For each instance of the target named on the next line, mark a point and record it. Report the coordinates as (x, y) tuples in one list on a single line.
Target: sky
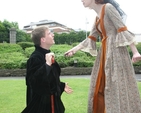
[(71, 13)]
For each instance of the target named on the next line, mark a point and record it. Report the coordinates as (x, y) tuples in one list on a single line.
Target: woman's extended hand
[(136, 57), (69, 53)]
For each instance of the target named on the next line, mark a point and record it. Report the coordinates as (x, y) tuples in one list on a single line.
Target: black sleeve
[(62, 86)]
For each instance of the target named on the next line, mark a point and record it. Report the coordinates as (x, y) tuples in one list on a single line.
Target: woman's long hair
[(116, 5)]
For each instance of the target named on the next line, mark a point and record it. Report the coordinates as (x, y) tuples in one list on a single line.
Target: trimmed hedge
[(14, 56), (25, 45), (9, 48), (12, 60)]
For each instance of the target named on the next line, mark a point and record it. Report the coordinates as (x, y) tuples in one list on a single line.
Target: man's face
[(49, 37)]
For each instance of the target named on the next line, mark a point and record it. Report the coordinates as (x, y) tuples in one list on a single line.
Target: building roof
[(42, 22), (55, 26)]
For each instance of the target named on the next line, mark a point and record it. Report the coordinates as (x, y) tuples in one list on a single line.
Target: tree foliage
[(70, 38), (21, 36), (5, 26)]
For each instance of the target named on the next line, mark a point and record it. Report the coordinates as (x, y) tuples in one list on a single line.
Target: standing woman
[(113, 87)]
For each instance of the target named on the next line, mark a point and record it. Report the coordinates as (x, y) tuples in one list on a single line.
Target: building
[(52, 25)]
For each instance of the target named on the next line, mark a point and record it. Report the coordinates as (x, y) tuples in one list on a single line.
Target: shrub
[(22, 64), (28, 51), (11, 60), (25, 44), (10, 48), (13, 56)]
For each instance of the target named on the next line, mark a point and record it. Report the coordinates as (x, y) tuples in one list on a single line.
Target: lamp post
[(86, 26), (75, 62)]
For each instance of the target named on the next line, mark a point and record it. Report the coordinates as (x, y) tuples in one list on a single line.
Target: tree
[(69, 38), (15, 25), (3, 33), (22, 36)]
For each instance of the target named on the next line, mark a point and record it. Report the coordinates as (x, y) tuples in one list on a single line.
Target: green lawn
[(12, 95)]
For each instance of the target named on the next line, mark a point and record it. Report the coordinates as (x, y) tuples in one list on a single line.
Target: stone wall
[(64, 71)]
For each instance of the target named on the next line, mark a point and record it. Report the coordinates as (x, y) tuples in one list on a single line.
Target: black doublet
[(43, 81)]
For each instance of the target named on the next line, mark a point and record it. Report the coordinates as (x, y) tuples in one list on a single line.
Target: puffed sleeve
[(89, 44), (123, 37)]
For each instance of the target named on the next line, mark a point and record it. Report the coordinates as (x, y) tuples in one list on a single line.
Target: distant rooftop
[(42, 22)]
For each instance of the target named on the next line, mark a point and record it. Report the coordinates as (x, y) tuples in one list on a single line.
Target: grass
[(12, 95)]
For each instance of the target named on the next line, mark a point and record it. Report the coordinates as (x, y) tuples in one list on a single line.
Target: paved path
[(138, 77)]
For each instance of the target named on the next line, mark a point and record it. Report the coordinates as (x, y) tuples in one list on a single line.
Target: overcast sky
[(68, 12)]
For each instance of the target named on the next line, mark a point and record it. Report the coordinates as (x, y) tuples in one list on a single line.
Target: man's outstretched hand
[(68, 89)]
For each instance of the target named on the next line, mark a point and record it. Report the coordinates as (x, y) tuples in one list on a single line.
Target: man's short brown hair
[(37, 34)]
